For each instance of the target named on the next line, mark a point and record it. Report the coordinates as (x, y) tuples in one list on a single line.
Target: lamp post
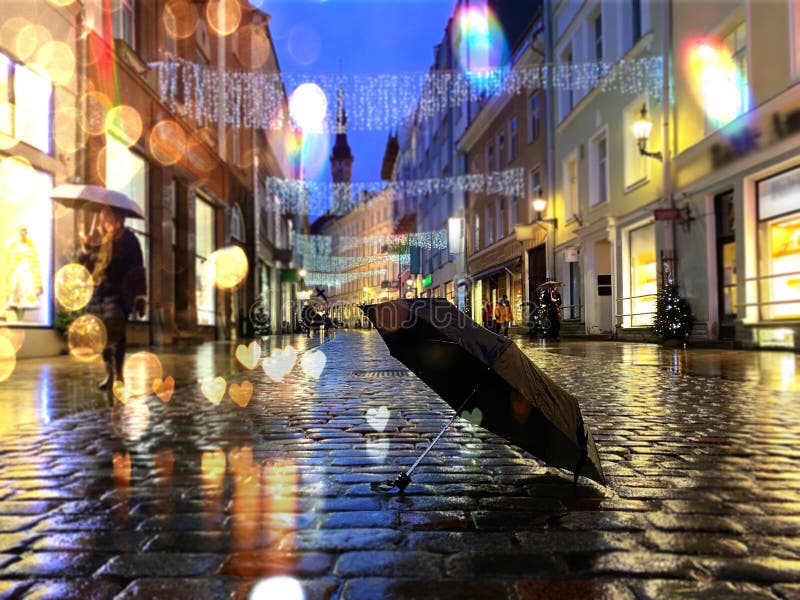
[(539, 205)]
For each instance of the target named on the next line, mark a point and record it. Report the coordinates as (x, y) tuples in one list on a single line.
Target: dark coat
[(124, 275)]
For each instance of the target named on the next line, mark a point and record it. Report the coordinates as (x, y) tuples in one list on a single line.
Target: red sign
[(667, 214)]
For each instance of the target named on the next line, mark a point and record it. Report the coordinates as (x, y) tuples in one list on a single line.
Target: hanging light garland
[(307, 245), (258, 100), (337, 279), (317, 197)]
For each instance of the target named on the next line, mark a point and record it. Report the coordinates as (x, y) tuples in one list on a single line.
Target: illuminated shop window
[(26, 235), (204, 271), (643, 275), (779, 246)]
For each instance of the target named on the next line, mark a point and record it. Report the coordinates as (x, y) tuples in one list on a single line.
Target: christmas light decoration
[(380, 101), (337, 279), (324, 245), (298, 196), (673, 318)]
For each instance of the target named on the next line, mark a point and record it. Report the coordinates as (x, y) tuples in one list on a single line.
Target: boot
[(119, 359), (106, 383)]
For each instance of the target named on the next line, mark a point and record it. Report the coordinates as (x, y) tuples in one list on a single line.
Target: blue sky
[(356, 37)]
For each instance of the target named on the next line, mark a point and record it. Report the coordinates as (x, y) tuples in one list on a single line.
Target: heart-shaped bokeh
[(474, 416), (241, 394), (280, 363), (164, 389), (313, 363), (121, 393), (378, 417), (214, 389), (248, 355)]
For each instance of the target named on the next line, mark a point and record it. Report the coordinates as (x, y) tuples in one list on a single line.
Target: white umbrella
[(76, 196)]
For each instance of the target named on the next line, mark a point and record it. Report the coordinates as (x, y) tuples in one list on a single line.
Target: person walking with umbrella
[(554, 313), (114, 257), (503, 315)]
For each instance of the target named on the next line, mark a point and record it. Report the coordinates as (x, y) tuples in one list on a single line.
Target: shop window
[(779, 246), (449, 292), (126, 172), (26, 235), (28, 97), (643, 275), (205, 227)]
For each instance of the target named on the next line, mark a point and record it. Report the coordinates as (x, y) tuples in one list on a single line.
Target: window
[(779, 246), (122, 21), (725, 89), (636, 21), (566, 91), (476, 233), (489, 226), (126, 172), (644, 285), (29, 96), (794, 36), (636, 164), (204, 271), (535, 184), (501, 152), (237, 224), (26, 239), (501, 219), (598, 37), (512, 214), (489, 158), (570, 185), (598, 162), (535, 121), (512, 150)]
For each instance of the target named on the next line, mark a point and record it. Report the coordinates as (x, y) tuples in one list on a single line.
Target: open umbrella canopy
[(549, 284), (457, 357), (78, 196)]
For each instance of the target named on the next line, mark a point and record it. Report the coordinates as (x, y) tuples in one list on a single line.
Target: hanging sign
[(667, 214)]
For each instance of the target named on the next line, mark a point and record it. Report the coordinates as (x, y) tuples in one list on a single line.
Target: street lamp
[(303, 273), (641, 131), (539, 205)]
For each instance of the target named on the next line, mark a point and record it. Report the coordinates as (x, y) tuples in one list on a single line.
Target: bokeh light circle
[(180, 19), (167, 142), (15, 336), (716, 80), (229, 265), (17, 179), (6, 116), (86, 337), (223, 16), (253, 46), (308, 106), (8, 358), (61, 3), (281, 586), (29, 39), (93, 118), (69, 137), (124, 123), (10, 30), (139, 372), (57, 60), (130, 420), (304, 44), (73, 286)]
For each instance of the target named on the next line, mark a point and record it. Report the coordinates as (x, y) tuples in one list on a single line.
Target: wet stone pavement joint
[(195, 500)]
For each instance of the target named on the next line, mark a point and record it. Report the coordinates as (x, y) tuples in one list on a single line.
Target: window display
[(204, 268), (779, 241), (25, 257), (644, 282)]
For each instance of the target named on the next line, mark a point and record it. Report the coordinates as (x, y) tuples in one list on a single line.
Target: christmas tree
[(674, 318)]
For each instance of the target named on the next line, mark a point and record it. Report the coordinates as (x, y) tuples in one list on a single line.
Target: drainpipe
[(550, 124), (666, 93)]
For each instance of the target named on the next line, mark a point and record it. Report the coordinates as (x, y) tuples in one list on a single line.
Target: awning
[(510, 264)]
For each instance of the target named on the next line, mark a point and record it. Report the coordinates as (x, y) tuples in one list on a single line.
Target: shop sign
[(427, 281), (746, 141), (571, 255)]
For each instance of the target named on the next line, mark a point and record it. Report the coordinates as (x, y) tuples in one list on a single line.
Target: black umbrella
[(472, 367)]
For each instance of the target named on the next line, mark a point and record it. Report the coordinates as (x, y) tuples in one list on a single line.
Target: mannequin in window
[(23, 276)]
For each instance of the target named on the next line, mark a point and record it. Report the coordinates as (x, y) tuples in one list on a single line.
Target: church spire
[(341, 156), (341, 113)]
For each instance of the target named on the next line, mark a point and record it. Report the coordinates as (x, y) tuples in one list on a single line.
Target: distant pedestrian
[(488, 315), (503, 313), (554, 314)]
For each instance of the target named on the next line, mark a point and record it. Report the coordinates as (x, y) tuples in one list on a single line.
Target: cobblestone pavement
[(188, 499)]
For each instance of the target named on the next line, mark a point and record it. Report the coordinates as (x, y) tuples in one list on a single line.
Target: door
[(725, 212)]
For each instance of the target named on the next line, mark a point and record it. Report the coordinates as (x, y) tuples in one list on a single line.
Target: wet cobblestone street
[(192, 499)]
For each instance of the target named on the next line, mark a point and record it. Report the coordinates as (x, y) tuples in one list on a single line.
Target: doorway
[(725, 212)]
